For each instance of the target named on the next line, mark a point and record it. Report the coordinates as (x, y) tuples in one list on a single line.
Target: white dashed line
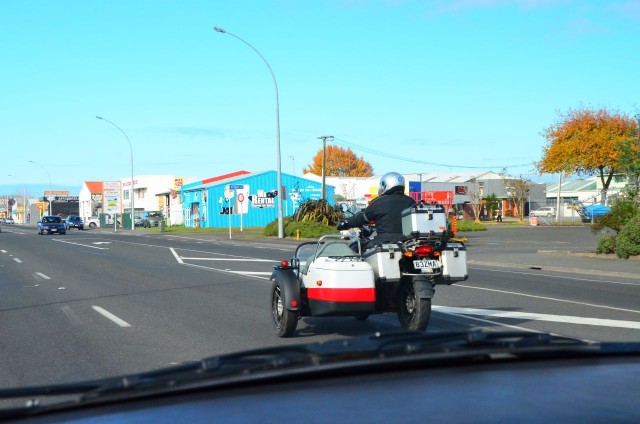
[(17, 260), (109, 315), (41, 276)]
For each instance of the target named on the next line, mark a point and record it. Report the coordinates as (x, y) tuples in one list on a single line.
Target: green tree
[(491, 203), (517, 191), (630, 159)]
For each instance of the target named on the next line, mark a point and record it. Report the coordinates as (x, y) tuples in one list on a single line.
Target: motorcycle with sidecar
[(334, 277)]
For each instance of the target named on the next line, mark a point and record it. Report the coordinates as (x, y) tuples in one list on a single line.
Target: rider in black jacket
[(385, 210)]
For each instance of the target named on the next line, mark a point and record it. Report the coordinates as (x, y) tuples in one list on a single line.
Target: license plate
[(426, 263)]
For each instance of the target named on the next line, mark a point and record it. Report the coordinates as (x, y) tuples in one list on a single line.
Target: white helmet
[(390, 180)]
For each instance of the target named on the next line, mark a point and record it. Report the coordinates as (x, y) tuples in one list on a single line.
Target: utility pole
[(324, 139), (558, 197)]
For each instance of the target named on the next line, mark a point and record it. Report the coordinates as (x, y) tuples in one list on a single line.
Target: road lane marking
[(208, 268), (175, 255), (3, 251), (101, 242), (493, 313), (83, 245), (549, 298), (109, 315), (251, 272), (71, 315), (537, 274), (233, 243), (41, 276), (225, 255), (228, 259), (440, 309), (17, 260)]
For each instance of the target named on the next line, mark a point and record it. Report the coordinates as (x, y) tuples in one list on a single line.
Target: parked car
[(544, 211), (93, 222), (9, 221), (51, 224), (73, 221), (151, 218)]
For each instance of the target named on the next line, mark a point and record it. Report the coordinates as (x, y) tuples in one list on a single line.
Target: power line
[(402, 158)]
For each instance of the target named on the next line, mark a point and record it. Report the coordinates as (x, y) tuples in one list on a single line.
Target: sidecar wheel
[(284, 321), (413, 312)]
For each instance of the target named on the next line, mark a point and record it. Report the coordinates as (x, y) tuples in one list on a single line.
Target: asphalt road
[(96, 303)]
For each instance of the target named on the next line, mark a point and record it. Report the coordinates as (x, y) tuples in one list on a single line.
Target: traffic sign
[(229, 192), (236, 186), (240, 197)]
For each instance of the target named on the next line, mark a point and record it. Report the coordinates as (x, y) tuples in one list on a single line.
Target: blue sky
[(438, 85)]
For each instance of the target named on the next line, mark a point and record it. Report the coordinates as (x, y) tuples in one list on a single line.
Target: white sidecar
[(337, 280)]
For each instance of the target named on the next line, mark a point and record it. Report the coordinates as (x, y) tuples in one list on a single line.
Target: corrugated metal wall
[(205, 206)]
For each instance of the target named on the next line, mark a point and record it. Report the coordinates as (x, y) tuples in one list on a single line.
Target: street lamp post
[(48, 175), (279, 168), (133, 225)]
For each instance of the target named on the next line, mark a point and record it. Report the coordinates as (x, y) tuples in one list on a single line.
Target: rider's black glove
[(342, 225)]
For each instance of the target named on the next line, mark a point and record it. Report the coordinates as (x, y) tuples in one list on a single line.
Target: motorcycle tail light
[(423, 251), (284, 264)]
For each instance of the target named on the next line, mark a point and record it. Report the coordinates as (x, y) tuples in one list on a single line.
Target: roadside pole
[(240, 211)]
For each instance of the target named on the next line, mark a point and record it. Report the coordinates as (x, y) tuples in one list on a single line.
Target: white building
[(586, 191), (351, 188), (95, 196)]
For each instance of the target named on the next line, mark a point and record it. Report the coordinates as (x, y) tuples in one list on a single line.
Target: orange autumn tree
[(340, 163), (587, 142)]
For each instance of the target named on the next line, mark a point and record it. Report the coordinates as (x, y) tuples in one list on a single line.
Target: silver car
[(544, 211)]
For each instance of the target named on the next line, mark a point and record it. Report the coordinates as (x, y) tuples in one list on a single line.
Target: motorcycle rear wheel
[(413, 312)]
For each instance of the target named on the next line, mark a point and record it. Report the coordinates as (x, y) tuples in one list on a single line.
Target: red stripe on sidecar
[(342, 295)]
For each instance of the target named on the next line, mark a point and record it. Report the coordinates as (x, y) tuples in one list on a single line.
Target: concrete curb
[(587, 255)]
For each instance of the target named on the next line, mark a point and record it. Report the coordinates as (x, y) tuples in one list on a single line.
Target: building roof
[(225, 177), (431, 177), (574, 185), (94, 186)]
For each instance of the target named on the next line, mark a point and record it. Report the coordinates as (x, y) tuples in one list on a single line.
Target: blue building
[(245, 199)]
